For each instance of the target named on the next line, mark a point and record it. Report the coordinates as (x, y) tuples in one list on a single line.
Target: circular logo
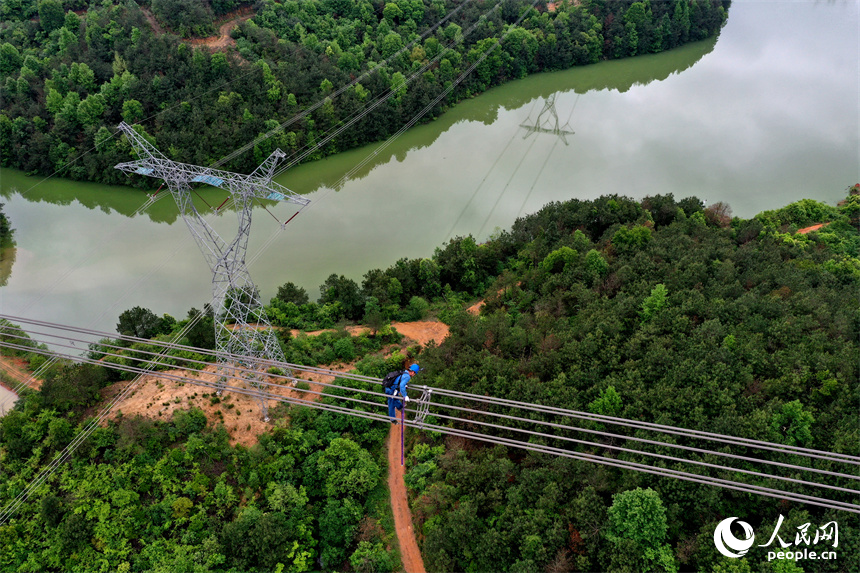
[(727, 543)]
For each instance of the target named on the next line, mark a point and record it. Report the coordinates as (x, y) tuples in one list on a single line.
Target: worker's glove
[(406, 399)]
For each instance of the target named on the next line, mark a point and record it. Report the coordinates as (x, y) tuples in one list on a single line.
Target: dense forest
[(71, 70), (656, 310)]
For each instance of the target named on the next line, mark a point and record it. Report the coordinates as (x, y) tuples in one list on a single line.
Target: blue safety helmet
[(415, 368)]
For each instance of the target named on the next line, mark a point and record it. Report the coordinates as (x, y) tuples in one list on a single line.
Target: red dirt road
[(221, 41), (409, 553), (16, 368), (812, 228)]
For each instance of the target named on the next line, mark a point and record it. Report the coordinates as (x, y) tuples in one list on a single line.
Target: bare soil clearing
[(158, 397), (421, 331), (409, 552)]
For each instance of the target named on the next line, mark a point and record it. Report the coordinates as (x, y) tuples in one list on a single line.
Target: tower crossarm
[(257, 185)]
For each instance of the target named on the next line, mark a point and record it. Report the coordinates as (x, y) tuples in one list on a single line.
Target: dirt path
[(806, 230), (16, 369), (153, 23), (409, 553), (222, 40)]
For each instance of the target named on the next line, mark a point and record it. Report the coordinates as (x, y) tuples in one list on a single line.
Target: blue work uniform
[(397, 389)]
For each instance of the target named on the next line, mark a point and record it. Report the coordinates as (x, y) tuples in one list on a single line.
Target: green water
[(760, 117)]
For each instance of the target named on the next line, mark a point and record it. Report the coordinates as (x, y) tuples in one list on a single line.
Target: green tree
[(202, 332), (73, 387), (596, 266), (391, 12), (629, 240), (371, 558), (288, 292), (10, 59), (607, 404), (637, 528), (91, 109), (51, 15), (338, 525), (793, 423), (140, 322), (654, 303), (559, 260), (132, 111), (373, 316), (348, 469), (339, 289)]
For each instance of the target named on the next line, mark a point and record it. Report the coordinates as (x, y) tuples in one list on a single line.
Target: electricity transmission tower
[(548, 125), (236, 299)]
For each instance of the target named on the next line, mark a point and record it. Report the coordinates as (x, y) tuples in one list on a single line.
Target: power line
[(103, 353), (815, 501), (623, 464), (442, 392), (437, 99), (152, 199), (72, 446)]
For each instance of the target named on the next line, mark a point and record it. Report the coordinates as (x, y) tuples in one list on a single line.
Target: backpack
[(391, 378)]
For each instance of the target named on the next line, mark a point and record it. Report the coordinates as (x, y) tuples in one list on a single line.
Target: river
[(764, 115)]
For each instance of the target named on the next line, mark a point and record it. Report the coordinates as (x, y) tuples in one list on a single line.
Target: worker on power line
[(397, 390)]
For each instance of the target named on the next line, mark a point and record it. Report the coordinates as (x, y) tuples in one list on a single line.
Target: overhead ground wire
[(46, 473), (434, 102), (385, 96), (153, 199), (82, 436)]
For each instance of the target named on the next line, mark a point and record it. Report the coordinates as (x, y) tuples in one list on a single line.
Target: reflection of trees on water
[(105, 198), (7, 248), (620, 75)]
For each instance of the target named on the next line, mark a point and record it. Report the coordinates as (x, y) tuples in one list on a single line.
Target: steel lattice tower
[(236, 299)]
